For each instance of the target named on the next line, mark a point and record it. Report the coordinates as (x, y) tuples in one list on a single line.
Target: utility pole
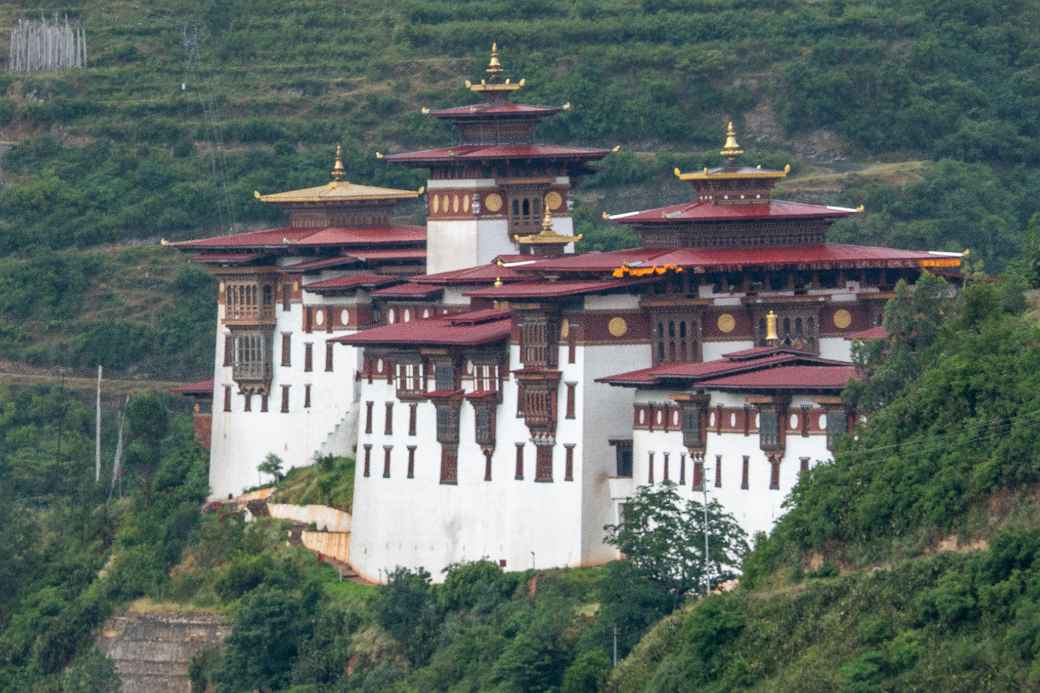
[(97, 431), (704, 487)]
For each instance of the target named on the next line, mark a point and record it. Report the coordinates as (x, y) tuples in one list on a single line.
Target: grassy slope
[(188, 106)]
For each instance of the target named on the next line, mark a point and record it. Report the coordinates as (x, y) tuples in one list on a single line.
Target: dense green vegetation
[(845, 593), (72, 552), (188, 106), (329, 481)]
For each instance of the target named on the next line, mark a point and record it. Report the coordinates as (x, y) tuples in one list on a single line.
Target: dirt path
[(109, 387)]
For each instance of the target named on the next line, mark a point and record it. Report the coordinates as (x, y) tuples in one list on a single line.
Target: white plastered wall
[(240, 439)]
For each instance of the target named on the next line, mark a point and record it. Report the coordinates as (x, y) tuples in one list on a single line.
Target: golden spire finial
[(731, 150), (338, 172), (494, 68), (547, 222), (771, 336), (498, 282)]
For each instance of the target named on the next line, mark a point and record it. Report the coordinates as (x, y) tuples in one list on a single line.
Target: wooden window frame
[(329, 352), (665, 471), (518, 473), (308, 357), (698, 475), (285, 399), (449, 465), (487, 465), (568, 465), (543, 463), (367, 467), (411, 462), (803, 465), (745, 473), (774, 474), (263, 402), (650, 469), (247, 399), (307, 396), (286, 350), (571, 387), (286, 297), (388, 423), (227, 398), (387, 451), (229, 350), (718, 471), (368, 416), (413, 416), (682, 469)]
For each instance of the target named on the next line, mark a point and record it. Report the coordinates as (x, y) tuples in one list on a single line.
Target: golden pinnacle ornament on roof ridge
[(493, 83), (548, 236), (771, 336), (494, 68), (731, 150), (547, 222), (338, 172)]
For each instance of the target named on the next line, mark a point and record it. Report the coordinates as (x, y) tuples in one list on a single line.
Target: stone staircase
[(342, 439)]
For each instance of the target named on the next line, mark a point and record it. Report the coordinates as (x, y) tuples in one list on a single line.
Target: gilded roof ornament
[(338, 172), (493, 84), (771, 336), (731, 150), (547, 236)]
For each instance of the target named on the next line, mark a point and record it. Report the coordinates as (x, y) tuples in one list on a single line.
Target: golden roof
[(547, 236), (731, 150), (494, 72), (338, 190)]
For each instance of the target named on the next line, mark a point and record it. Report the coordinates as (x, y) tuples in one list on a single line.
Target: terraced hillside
[(188, 106)]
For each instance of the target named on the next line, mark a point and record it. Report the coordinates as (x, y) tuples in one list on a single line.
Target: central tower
[(495, 183)]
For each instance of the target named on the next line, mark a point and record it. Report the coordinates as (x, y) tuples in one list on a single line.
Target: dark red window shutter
[(328, 356), (667, 472), (543, 467), (248, 398), (650, 470), (368, 460), (386, 460), (718, 471), (744, 473), (570, 400), (698, 474), (774, 475), (227, 398), (307, 396), (388, 425), (286, 296), (682, 469), (411, 461), (263, 402), (412, 415), (229, 350), (308, 357), (568, 469), (285, 399), (368, 417), (449, 465), (487, 465), (286, 349), (519, 474)]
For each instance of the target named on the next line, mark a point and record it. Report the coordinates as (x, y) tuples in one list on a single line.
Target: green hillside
[(188, 106)]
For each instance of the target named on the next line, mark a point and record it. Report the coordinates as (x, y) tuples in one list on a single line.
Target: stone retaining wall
[(152, 652)]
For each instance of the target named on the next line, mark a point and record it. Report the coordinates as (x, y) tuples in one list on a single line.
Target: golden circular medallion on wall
[(617, 327), (554, 200), (436, 203), (565, 328), (726, 323), (842, 318), (493, 202)]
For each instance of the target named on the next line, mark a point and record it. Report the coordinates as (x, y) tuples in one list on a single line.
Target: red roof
[(871, 334), (824, 256), (201, 388), (288, 236), (481, 274), (390, 254), (226, 258), (351, 281), (462, 329), (321, 263), (408, 290), (742, 361), (785, 377), (709, 211), (479, 152), (495, 109), (546, 289)]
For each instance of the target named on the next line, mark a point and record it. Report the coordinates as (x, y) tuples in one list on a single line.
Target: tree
[(406, 608), (272, 465), (148, 423), (663, 537)]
